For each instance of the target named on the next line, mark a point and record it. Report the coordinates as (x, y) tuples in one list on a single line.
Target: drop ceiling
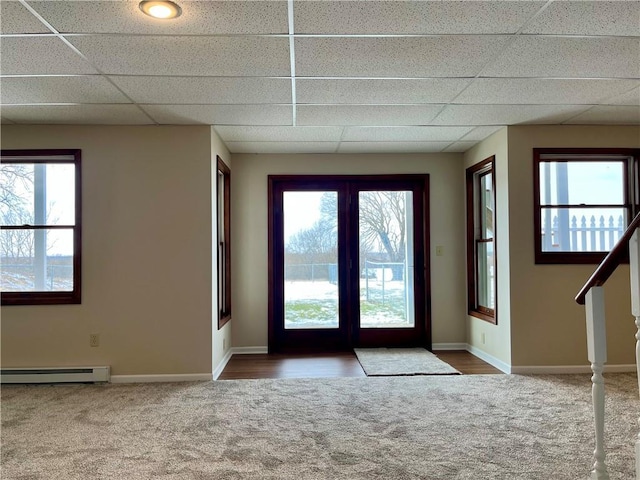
[(324, 76)]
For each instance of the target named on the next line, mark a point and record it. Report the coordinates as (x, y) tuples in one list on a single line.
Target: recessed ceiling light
[(160, 9)]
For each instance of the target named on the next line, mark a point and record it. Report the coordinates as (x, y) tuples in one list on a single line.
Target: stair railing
[(592, 296)]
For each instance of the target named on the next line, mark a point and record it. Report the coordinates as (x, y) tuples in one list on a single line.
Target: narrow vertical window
[(40, 240), (223, 196), (481, 245)]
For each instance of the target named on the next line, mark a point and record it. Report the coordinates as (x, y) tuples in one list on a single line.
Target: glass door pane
[(310, 260), (386, 259)]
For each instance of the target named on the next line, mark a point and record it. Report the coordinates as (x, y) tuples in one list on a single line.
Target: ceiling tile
[(17, 19), (279, 134), (599, 57), (411, 17), (399, 134), (188, 56), (379, 91), (448, 56), (40, 55), (207, 90), (480, 133), (391, 147), (584, 17), (505, 114), (542, 91), (368, 115), (277, 147), (609, 115), (76, 114), (60, 89), (459, 147), (220, 114), (198, 17), (630, 98)]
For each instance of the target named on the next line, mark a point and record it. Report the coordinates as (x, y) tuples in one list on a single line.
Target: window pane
[(310, 260), (581, 229), (485, 280), (587, 183), (37, 194), (37, 260), (222, 247), (221, 207), (486, 206), (386, 259)]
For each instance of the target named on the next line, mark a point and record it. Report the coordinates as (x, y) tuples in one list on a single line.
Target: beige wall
[(547, 326), (147, 236), (249, 232), (222, 337), (497, 338), (147, 283)]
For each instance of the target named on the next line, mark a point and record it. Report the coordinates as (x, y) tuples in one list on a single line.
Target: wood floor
[(344, 364)]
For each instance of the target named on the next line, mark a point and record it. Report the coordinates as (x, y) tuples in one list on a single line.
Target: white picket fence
[(584, 234)]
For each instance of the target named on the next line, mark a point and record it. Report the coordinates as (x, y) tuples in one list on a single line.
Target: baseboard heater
[(55, 375)]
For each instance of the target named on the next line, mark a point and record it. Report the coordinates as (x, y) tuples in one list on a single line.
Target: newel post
[(597, 352), (634, 267)]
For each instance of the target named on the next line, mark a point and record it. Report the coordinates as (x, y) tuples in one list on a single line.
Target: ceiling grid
[(352, 76), (490, 61), (292, 57)]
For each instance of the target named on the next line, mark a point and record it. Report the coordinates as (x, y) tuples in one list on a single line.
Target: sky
[(301, 211), (60, 205)]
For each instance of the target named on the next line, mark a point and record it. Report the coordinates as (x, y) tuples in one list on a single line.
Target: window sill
[(568, 258), (40, 298), (487, 317), (223, 319)]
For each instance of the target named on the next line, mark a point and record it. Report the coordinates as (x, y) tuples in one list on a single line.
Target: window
[(40, 239), (481, 245), (223, 204), (583, 202)]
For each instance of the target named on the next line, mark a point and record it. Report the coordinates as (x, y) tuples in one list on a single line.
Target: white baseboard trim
[(569, 369), (180, 377), (248, 350), (490, 359), (448, 346), (222, 364), (621, 368)]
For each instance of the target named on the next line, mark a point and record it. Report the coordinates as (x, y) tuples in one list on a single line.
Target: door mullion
[(352, 277)]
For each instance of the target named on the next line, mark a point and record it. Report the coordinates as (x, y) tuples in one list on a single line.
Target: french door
[(348, 263)]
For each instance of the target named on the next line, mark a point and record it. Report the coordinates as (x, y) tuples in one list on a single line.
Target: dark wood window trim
[(631, 196), (51, 157), (473, 175), (223, 241)]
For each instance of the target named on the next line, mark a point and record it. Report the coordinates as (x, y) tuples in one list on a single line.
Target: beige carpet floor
[(496, 427)]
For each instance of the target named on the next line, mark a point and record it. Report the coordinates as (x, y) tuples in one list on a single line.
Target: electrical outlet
[(439, 250), (483, 338), (94, 339), (224, 344)]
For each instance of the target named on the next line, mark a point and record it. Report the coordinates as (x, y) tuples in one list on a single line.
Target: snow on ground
[(314, 304)]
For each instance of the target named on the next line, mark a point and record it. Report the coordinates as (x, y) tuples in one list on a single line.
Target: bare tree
[(317, 240), (16, 183), (382, 226), (382, 222)]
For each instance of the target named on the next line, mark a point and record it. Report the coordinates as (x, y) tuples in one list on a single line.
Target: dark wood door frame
[(346, 336)]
